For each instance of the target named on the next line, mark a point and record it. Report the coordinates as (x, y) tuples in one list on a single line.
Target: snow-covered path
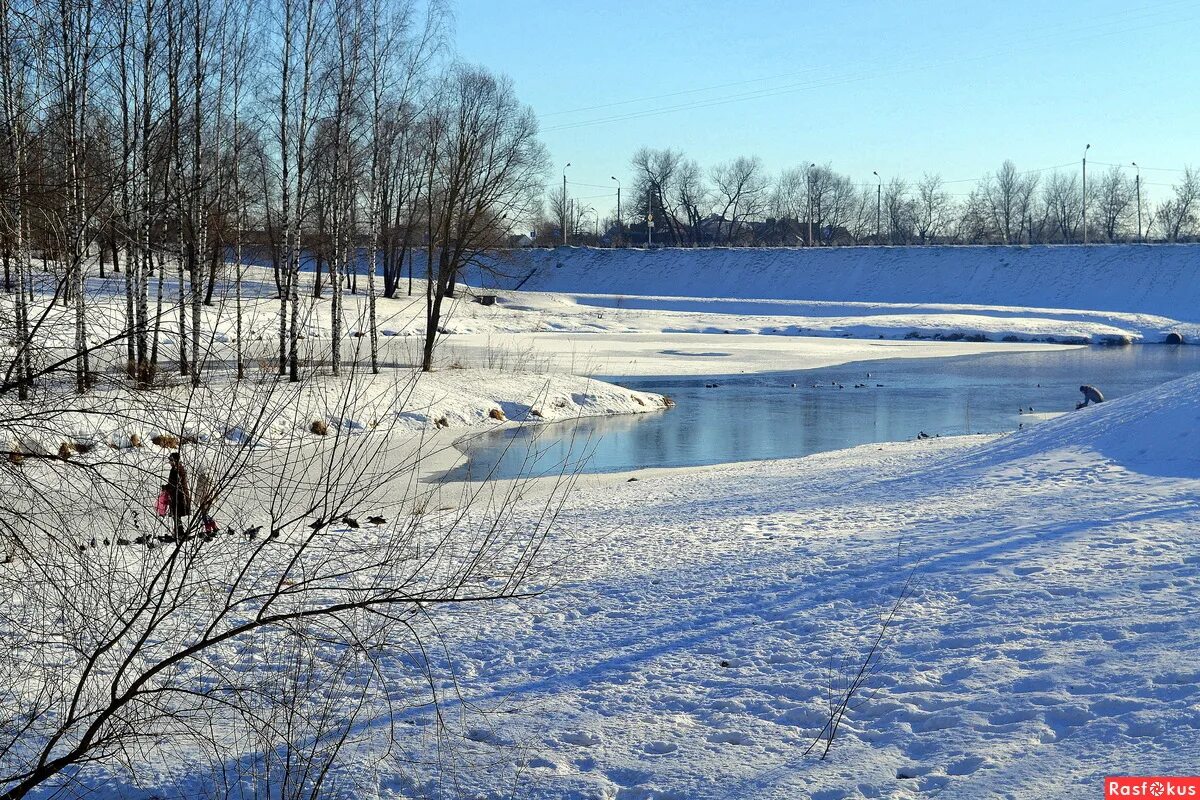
[(1049, 639)]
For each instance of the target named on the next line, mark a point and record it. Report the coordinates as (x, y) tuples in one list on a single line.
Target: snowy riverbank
[(1065, 293), (693, 625), (1045, 644), (401, 403)]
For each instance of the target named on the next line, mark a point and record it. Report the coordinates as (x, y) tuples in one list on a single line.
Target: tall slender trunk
[(285, 185), (293, 355), (375, 237), (197, 216), (158, 314), (15, 201), (146, 261), (239, 215)]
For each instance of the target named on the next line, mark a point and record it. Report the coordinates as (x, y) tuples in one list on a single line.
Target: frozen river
[(723, 419)]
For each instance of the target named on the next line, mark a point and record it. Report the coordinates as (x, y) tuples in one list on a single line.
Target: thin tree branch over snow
[(124, 639), (840, 699)]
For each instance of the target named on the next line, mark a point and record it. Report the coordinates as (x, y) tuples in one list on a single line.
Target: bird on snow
[(350, 522), (252, 532), (318, 524), (376, 520)]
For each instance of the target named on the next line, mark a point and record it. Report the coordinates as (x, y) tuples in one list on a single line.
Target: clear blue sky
[(948, 86)]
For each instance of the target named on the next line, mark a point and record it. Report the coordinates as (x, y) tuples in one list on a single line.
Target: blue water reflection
[(789, 414)]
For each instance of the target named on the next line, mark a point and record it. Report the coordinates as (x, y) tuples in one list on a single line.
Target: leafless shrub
[(163, 630), (846, 685)]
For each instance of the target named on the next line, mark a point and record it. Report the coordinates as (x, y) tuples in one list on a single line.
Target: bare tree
[(901, 211), (655, 174), (13, 53), (486, 165), (1008, 194), (1177, 216), (932, 210), (1064, 203), (124, 636), (740, 187), (1114, 200), (693, 196)]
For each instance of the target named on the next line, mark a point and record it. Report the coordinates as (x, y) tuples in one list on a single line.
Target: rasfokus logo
[(1156, 786)]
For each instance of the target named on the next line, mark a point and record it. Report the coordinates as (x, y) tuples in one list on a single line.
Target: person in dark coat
[(179, 498), (1090, 395)]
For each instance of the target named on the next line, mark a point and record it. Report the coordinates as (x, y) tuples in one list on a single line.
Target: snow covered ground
[(399, 403), (694, 623), (705, 615), (542, 332), (1028, 293)]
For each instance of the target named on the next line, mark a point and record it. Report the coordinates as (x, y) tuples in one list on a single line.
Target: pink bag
[(164, 503)]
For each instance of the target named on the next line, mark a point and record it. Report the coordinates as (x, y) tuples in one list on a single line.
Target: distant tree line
[(171, 138), (739, 202)]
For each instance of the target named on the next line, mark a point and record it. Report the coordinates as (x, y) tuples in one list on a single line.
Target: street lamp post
[(878, 207), (620, 224), (1137, 185), (564, 205), (1085, 229), (811, 167)]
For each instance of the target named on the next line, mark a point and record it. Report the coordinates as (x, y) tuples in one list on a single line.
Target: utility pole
[(808, 194), (564, 206), (620, 224), (1137, 185), (1085, 230), (878, 207)]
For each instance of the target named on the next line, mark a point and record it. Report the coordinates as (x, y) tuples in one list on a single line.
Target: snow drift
[(1154, 432)]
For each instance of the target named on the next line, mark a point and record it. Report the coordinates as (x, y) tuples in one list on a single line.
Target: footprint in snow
[(480, 734), (731, 737), (628, 777), (659, 748), (1063, 720), (965, 766), (581, 738)]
